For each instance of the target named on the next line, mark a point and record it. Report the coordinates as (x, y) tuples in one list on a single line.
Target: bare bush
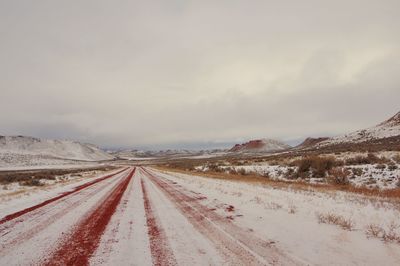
[(32, 183), (392, 167), (380, 166), (242, 171), (396, 158), (314, 166), (357, 171), (338, 176), (292, 209), (389, 235), (374, 230), (330, 218), (369, 159)]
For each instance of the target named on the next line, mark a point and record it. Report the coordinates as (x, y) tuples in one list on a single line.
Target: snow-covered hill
[(59, 149), (386, 129), (260, 145), (141, 155)]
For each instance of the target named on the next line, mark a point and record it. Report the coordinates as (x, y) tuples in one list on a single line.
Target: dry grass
[(314, 166), (393, 194), (292, 209), (32, 177), (373, 230), (338, 176), (388, 235), (330, 218)]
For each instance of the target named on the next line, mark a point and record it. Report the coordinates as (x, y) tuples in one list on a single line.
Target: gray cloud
[(135, 73)]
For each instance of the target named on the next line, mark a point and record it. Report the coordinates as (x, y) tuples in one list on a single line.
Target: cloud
[(145, 74)]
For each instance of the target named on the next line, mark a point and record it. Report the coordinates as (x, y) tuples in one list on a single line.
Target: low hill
[(260, 145), (388, 129), (60, 149)]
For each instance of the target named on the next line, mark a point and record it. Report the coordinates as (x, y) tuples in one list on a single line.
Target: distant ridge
[(260, 145), (61, 149), (383, 136)]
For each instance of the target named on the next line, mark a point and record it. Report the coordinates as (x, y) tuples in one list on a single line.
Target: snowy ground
[(371, 175), (376, 175), (11, 161), (144, 216), (290, 218), (12, 190)]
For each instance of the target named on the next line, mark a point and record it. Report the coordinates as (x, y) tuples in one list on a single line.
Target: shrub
[(369, 159), (389, 235), (392, 167), (398, 182), (339, 176), (330, 218), (314, 166), (373, 230), (396, 158), (289, 173), (381, 166), (242, 171), (357, 171), (233, 171), (32, 182)]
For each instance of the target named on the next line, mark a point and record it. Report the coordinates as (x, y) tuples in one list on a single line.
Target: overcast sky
[(159, 73)]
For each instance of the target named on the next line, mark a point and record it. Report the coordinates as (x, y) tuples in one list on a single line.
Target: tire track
[(161, 252), (15, 215), (79, 246), (234, 242), (41, 219)]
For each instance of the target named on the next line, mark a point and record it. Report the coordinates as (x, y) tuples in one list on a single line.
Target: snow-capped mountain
[(386, 129), (61, 149), (260, 145)]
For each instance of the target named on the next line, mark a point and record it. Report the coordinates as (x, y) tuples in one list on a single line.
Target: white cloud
[(140, 73)]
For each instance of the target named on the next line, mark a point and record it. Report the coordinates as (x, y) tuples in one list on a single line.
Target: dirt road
[(134, 216)]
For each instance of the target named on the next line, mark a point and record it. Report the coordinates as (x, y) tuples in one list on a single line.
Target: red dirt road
[(135, 216), (81, 244)]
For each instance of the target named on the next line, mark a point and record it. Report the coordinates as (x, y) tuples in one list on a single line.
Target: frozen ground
[(142, 216), (12, 161), (290, 219), (385, 175), (371, 176)]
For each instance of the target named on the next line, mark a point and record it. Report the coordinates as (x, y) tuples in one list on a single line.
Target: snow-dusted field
[(370, 176), (384, 175), (290, 219), (143, 216)]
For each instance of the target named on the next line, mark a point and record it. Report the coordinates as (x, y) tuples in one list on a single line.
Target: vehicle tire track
[(43, 218), (15, 215), (235, 243), (78, 246), (161, 252)]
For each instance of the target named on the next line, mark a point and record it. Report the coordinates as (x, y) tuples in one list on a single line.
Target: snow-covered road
[(141, 216)]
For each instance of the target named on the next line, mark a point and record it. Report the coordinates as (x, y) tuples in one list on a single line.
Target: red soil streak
[(230, 208), (83, 242), (159, 247), (44, 203), (233, 241), (35, 228)]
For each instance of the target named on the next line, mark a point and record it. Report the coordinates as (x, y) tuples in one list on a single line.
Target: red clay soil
[(230, 208), (83, 242), (236, 243), (161, 252), (44, 203)]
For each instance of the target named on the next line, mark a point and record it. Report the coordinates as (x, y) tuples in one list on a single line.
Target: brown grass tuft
[(330, 218)]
